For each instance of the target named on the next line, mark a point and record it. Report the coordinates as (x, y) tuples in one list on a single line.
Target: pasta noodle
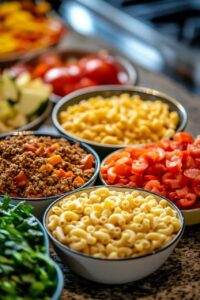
[(112, 224)]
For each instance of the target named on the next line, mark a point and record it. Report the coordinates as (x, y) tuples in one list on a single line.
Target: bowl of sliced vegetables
[(24, 103), (73, 69), (27, 28), (27, 271), (170, 168)]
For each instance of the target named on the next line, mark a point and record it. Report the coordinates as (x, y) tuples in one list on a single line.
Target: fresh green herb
[(26, 273)]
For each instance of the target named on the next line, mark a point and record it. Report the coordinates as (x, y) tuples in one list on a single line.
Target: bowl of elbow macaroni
[(112, 117), (113, 235)]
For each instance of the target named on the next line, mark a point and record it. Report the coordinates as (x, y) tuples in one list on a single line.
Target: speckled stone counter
[(179, 277)]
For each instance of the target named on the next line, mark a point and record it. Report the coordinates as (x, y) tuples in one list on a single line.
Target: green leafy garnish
[(26, 272)]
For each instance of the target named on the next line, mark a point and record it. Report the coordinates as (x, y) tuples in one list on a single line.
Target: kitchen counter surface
[(179, 277)]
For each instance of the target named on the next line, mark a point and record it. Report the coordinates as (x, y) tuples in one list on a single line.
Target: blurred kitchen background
[(160, 35)]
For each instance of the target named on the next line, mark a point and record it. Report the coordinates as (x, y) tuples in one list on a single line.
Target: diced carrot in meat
[(62, 173), (54, 147), (88, 161), (30, 147), (45, 168), (54, 160), (78, 181), (21, 178), (69, 174)]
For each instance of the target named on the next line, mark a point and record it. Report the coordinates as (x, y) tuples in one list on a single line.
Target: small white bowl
[(115, 271)]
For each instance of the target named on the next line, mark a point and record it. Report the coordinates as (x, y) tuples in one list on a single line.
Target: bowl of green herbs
[(26, 270)]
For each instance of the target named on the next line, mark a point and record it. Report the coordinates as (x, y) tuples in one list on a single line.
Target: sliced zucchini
[(9, 88), (23, 79), (6, 111), (31, 100)]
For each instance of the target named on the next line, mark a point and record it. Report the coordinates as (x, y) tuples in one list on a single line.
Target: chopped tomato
[(111, 175), (196, 186), (154, 155), (123, 166), (192, 173), (139, 165), (183, 137), (169, 168), (187, 201), (157, 169), (194, 150), (174, 161)]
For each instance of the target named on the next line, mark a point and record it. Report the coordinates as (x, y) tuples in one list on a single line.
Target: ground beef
[(21, 159)]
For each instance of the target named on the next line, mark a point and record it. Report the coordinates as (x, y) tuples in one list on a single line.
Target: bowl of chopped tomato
[(39, 168), (113, 117), (73, 69), (170, 168)]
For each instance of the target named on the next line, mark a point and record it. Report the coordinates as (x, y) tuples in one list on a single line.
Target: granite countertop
[(179, 277)]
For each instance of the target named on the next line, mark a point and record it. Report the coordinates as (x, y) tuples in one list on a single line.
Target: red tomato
[(183, 137), (173, 161), (154, 186), (192, 173), (187, 201), (103, 69), (157, 169), (111, 175), (19, 69), (155, 155), (63, 79), (150, 177), (196, 186), (115, 156), (139, 165), (194, 150), (123, 166)]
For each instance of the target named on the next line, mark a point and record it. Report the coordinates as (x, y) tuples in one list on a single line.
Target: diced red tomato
[(174, 161), (169, 168), (139, 165), (192, 173), (187, 201), (183, 137), (194, 150), (123, 166), (196, 186), (111, 175)]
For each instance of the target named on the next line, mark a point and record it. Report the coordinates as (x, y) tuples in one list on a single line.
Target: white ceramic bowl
[(115, 271), (40, 204)]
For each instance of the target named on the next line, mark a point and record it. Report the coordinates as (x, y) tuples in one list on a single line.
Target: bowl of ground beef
[(40, 168)]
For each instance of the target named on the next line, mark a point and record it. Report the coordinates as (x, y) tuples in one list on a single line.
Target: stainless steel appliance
[(162, 35)]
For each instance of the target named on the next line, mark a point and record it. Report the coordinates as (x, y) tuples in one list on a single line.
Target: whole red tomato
[(63, 79), (101, 69)]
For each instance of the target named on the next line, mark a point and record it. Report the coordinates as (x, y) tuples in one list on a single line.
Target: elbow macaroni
[(124, 119), (112, 224)]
